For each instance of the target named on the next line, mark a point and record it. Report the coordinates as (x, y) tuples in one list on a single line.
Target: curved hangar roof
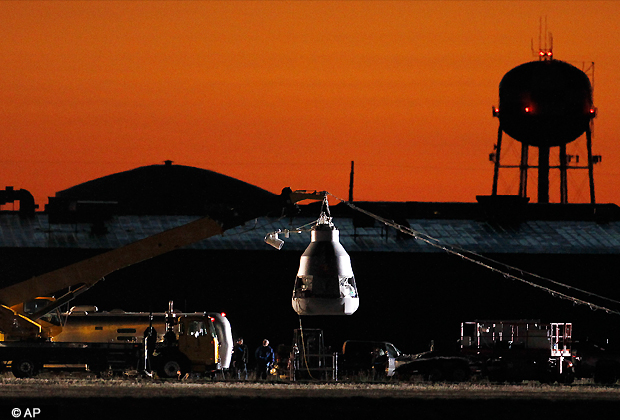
[(158, 190), (121, 208)]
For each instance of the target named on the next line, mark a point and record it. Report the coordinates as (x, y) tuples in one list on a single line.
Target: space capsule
[(325, 284)]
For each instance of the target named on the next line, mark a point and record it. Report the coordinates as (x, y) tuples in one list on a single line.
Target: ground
[(58, 398)]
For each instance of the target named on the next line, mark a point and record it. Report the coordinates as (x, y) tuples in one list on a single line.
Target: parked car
[(434, 366), (376, 358)]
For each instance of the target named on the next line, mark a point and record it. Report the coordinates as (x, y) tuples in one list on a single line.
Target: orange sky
[(289, 93)]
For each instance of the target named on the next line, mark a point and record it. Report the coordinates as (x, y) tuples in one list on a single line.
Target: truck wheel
[(606, 372), (546, 377), (172, 368), (401, 377), (24, 368), (105, 374), (435, 375), (497, 377), (459, 375), (568, 378), (605, 378)]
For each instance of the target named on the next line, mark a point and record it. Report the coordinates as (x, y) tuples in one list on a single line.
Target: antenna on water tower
[(544, 52)]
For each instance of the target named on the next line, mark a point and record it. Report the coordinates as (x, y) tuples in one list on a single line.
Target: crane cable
[(480, 260)]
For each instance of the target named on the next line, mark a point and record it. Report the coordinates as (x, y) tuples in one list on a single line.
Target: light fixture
[(273, 240)]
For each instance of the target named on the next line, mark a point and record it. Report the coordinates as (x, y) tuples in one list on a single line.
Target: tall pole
[(351, 176)]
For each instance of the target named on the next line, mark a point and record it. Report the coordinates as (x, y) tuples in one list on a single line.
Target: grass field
[(113, 398), (60, 397)]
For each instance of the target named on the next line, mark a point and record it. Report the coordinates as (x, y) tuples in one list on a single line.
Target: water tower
[(545, 103)]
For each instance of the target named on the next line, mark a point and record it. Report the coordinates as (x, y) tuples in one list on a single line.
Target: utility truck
[(171, 344)]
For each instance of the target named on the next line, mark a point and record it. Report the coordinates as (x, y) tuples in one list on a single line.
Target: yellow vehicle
[(172, 344), (205, 337)]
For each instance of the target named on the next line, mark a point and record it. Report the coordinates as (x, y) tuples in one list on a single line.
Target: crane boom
[(88, 272), (81, 276)]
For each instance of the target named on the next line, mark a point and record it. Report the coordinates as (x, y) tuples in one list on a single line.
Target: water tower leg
[(590, 164), (497, 156), (523, 167), (543, 174), (563, 175)]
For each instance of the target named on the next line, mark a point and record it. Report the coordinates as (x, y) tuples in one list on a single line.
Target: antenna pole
[(539, 33), (546, 33)]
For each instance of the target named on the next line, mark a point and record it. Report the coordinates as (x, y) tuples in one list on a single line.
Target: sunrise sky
[(288, 93)]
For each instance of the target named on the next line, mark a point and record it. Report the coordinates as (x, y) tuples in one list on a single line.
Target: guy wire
[(451, 249)]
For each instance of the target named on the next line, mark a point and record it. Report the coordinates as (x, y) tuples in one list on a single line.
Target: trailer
[(500, 351)]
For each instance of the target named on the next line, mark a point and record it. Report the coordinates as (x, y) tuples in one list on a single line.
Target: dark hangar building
[(476, 263)]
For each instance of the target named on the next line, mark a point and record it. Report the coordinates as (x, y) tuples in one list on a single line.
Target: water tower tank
[(545, 103)]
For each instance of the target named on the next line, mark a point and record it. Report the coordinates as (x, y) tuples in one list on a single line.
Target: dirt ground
[(92, 398)]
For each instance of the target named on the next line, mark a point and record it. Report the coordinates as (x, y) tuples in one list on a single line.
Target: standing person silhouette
[(265, 358), (240, 360)]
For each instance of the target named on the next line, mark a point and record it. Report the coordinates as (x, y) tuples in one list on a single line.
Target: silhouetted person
[(265, 357), (379, 363), (239, 360)]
